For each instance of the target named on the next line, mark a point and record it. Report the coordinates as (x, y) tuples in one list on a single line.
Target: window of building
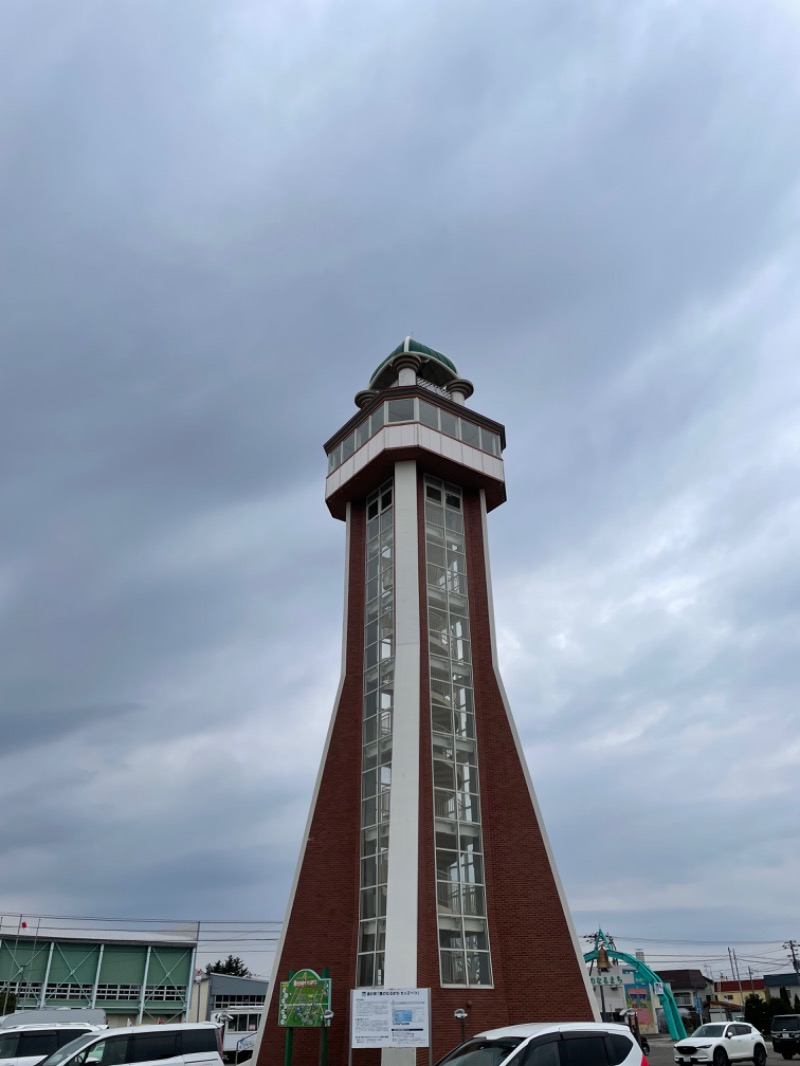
[(464, 952), (470, 433), (251, 999), (376, 752), (428, 414), (412, 409), (400, 410), (490, 442), (166, 993)]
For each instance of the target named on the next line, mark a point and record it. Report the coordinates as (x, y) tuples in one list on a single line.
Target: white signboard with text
[(390, 1017)]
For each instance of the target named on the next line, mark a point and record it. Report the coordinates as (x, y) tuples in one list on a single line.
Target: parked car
[(785, 1034), (722, 1042), (550, 1044), (95, 1016), (28, 1045), (189, 1044)]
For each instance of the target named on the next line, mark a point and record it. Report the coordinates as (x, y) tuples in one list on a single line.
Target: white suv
[(28, 1045), (550, 1044), (722, 1042)]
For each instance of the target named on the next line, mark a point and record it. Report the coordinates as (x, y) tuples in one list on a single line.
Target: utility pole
[(738, 978), (792, 946)]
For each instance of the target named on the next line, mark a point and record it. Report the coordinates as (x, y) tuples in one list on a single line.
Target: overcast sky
[(216, 218)]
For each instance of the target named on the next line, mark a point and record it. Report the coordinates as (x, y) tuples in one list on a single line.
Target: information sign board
[(390, 1017), (304, 999)]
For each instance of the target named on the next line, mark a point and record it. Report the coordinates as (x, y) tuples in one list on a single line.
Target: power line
[(170, 921), (654, 940)]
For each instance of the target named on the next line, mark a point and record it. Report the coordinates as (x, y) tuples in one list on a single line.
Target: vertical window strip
[(376, 751), (464, 956)]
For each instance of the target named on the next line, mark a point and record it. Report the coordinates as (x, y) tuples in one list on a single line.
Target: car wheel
[(786, 1054), (760, 1055), (720, 1056)]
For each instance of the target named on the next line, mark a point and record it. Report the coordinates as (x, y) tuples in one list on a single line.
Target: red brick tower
[(425, 862)]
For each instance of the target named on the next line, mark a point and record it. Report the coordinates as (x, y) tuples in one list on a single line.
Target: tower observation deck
[(425, 862)]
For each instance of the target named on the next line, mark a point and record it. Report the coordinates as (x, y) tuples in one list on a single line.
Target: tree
[(232, 965), (8, 1002), (755, 1012)]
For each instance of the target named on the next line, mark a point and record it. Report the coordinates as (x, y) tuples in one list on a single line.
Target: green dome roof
[(436, 367)]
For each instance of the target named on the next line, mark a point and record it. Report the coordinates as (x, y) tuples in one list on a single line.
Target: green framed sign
[(304, 1000)]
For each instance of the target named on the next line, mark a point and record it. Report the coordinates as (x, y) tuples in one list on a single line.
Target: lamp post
[(327, 1017), (462, 1016), (198, 978)]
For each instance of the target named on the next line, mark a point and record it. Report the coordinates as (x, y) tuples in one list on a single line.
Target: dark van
[(785, 1034)]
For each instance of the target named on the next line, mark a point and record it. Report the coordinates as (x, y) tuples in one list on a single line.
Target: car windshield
[(787, 1021), (69, 1049), (709, 1030), (480, 1052)]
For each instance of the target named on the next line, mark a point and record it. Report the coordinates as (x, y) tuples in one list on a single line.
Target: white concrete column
[(460, 390), (43, 990), (400, 970), (407, 367), (143, 996), (97, 974)]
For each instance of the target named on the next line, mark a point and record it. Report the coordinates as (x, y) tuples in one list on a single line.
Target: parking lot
[(660, 1052)]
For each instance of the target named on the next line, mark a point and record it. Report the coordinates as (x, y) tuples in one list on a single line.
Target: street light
[(462, 1016), (198, 979)]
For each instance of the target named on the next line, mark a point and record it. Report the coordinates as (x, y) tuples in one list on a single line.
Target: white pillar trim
[(43, 990), (96, 984), (592, 998), (143, 996), (403, 886)]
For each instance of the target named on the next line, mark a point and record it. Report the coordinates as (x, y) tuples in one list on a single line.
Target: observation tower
[(425, 862)]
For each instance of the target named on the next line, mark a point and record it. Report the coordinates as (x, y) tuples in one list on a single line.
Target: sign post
[(305, 1003), (390, 1017)]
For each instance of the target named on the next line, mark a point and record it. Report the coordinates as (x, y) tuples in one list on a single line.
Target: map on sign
[(304, 999)]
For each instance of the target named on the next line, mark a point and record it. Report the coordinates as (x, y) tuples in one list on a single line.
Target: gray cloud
[(216, 220)]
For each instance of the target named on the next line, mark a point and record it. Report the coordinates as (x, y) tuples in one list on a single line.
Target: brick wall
[(536, 973), (323, 926), (537, 976)]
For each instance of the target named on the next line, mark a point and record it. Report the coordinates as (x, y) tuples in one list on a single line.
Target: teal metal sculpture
[(672, 1015)]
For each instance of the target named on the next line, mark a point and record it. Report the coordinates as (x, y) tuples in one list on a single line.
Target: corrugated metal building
[(136, 977)]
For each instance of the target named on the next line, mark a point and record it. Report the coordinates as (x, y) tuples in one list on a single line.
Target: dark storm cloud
[(216, 220)]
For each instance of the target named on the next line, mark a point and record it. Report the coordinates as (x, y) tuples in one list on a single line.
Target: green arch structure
[(672, 1015)]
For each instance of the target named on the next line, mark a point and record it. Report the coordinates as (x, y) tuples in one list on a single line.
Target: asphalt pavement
[(660, 1051)]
